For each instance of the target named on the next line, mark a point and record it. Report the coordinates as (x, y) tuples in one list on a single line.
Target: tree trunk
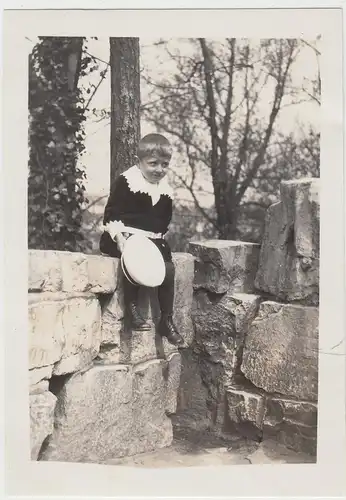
[(226, 219), (125, 103)]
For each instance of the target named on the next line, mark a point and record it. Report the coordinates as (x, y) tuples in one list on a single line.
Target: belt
[(148, 234)]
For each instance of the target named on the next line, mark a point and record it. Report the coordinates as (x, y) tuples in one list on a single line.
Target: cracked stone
[(281, 350), (64, 332), (41, 420), (223, 265), (289, 257), (111, 411)]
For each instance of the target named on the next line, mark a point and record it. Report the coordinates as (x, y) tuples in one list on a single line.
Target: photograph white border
[(23, 477)]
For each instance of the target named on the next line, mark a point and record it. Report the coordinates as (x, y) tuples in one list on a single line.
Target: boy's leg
[(166, 300), (131, 305)]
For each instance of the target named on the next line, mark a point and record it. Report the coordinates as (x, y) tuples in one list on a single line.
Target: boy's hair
[(154, 144)]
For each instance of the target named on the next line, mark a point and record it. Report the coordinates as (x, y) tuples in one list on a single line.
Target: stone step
[(114, 411), (225, 265)]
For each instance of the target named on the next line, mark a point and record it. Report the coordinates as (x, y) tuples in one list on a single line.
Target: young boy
[(141, 198)]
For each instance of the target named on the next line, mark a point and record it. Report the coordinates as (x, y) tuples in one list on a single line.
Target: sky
[(96, 159)]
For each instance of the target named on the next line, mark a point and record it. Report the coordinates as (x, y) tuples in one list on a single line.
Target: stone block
[(109, 412), (245, 406), (183, 295), (184, 276), (41, 420), (39, 388), (279, 410), (64, 331), (46, 335), (103, 274), (192, 394), (44, 273), (36, 375), (112, 319), (281, 350), (292, 423), (173, 382), (289, 257), (151, 428), (221, 322), (223, 265), (57, 271), (131, 347)]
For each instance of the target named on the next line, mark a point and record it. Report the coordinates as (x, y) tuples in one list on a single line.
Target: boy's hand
[(120, 242), (114, 228)]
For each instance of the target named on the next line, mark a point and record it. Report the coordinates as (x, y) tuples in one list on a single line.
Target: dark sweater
[(136, 209)]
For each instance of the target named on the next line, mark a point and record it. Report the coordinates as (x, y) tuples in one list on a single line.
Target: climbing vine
[(57, 112)]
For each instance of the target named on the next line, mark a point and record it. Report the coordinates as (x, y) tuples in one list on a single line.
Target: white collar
[(138, 183)]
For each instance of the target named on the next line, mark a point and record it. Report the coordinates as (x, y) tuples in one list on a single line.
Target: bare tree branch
[(196, 202), (103, 76), (208, 73), (279, 93), (95, 202), (228, 108)]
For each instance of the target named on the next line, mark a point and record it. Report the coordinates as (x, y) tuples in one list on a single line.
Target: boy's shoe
[(166, 328), (137, 321)]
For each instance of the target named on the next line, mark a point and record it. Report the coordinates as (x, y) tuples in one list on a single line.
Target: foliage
[(57, 111)]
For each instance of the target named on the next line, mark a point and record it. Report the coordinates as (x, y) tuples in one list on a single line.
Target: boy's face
[(154, 168)]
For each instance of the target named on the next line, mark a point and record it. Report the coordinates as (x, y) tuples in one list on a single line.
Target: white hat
[(142, 262)]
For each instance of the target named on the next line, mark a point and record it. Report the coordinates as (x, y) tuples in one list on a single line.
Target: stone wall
[(98, 390), (252, 367), (249, 318)]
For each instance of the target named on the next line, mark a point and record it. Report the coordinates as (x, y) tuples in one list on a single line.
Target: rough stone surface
[(64, 331), (292, 423), (37, 375), (103, 274), (112, 319), (281, 350), (41, 420), (111, 411), (192, 394), (221, 322), (223, 265), (151, 428), (289, 257), (183, 295), (44, 273), (279, 410), (54, 271), (246, 408), (173, 382), (40, 387)]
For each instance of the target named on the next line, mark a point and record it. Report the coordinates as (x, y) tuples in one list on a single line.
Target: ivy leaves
[(56, 193)]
